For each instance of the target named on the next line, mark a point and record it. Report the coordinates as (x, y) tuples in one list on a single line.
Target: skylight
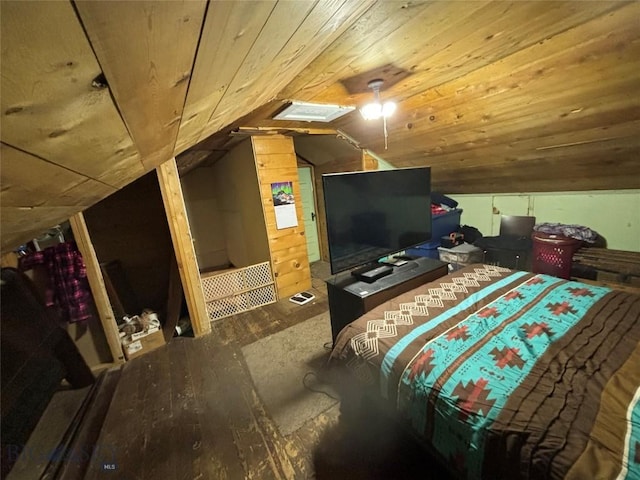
[(312, 112)]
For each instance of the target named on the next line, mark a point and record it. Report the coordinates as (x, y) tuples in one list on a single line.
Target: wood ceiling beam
[(283, 130), (182, 239)]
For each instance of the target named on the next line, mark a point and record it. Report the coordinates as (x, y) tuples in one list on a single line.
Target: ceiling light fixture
[(377, 109)]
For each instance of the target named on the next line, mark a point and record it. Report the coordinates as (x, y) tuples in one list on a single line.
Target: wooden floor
[(189, 410)]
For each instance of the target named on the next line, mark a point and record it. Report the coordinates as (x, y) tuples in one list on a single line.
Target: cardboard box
[(140, 343)]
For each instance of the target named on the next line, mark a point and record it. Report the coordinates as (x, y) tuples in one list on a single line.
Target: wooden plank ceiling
[(496, 96)]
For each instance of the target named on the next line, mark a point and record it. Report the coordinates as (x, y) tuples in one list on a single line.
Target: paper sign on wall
[(284, 205)]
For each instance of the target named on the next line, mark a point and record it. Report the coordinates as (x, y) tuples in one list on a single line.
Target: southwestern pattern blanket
[(508, 374)]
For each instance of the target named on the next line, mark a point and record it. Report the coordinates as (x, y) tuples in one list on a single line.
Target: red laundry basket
[(552, 254)]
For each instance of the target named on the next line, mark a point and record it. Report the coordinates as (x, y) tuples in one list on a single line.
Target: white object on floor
[(302, 298)]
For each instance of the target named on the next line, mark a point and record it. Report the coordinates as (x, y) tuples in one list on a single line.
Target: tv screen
[(375, 213)]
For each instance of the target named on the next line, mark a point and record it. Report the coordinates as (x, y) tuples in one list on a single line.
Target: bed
[(507, 374)]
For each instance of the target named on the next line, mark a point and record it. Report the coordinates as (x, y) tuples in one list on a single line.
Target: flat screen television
[(373, 214)]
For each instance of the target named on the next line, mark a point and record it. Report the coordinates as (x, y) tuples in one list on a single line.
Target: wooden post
[(96, 282), (171, 190)]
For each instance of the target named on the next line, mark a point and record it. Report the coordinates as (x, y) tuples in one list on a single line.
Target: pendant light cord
[(386, 134)]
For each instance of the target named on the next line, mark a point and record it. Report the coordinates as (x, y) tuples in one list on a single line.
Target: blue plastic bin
[(441, 226), (429, 249)]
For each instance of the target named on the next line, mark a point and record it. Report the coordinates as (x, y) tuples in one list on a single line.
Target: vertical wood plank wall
[(276, 162)]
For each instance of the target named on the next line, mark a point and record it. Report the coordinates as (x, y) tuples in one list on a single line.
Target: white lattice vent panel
[(258, 275), (225, 307), (261, 296), (239, 290), (223, 284)]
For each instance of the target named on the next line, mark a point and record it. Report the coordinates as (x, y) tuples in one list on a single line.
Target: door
[(309, 212)]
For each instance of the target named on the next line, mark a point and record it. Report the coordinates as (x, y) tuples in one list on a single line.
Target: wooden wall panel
[(275, 161), (27, 223), (369, 162), (229, 32), (203, 199), (19, 190), (50, 108), (39, 192), (148, 79), (131, 226), (243, 223)]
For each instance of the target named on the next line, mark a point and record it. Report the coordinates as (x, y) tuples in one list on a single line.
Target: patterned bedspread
[(509, 374)]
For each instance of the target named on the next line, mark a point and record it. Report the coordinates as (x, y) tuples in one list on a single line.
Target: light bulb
[(388, 108), (371, 111), (374, 111)]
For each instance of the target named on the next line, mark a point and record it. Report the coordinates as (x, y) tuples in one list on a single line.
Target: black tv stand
[(371, 273), (350, 298)]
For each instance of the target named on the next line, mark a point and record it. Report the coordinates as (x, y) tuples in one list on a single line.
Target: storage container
[(553, 254), (441, 225), (429, 249), (461, 255)]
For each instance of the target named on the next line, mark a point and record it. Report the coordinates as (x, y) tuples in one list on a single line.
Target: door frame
[(315, 200)]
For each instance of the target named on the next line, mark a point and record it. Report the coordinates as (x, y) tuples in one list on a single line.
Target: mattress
[(508, 374)]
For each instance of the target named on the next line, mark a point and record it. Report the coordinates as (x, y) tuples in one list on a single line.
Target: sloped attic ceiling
[(494, 95)]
